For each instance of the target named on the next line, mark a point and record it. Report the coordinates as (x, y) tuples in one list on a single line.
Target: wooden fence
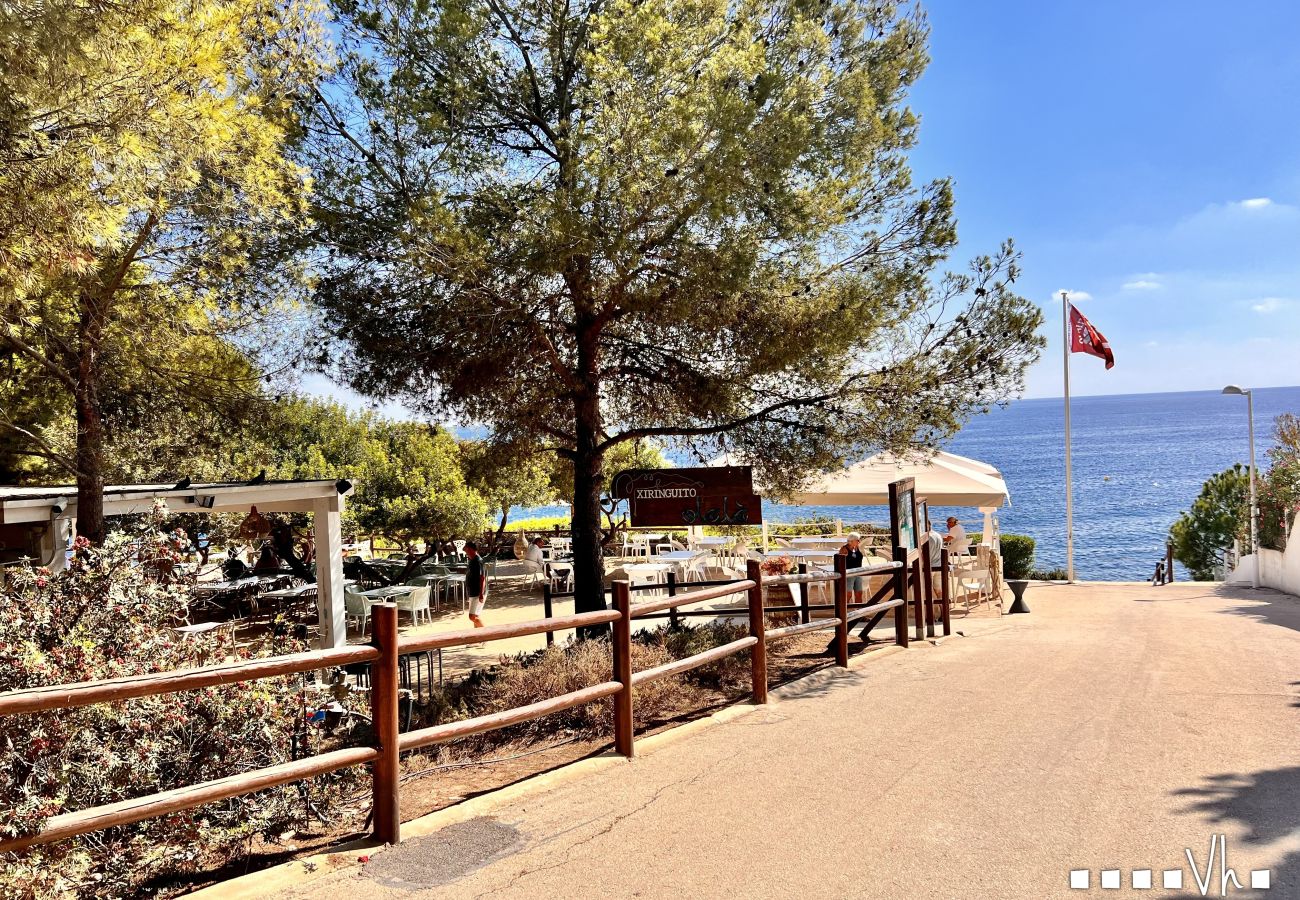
[(386, 647)]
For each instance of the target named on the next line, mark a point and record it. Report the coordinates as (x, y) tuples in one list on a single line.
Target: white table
[(291, 593), (802, 552), (218, 587), (712, 541), (392, 592)]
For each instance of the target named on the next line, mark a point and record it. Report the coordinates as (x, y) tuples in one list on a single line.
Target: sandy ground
[(1112, 728)]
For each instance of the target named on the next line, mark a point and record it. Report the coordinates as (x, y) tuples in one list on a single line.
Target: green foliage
[(1049, 575), (104, 619), (1017, 556), (597, 223), (1279, 486), (507, 475), (408, 475), (147, 194), (1218, 515)]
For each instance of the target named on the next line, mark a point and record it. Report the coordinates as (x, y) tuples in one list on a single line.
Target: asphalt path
[(1114, 727)]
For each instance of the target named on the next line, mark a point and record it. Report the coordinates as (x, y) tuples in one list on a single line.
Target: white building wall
[(1278, 569)]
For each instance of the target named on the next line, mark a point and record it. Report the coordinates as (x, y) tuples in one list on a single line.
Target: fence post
[(623, 731), (383, 712), (841, 611), (547, 611), (927, 585), (917, 598), (805, 614), (900, 593), (758, 629), (672, 592), (945, 592), (1169, 563)]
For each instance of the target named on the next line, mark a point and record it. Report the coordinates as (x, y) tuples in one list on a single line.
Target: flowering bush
[(778, 565), (106, 617)]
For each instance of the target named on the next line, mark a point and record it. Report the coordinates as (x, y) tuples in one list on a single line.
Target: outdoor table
[(218, 587), (802, 552), (201, 627), (712, 541), (379, 595)]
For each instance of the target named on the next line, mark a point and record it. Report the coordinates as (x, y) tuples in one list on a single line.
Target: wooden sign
[(721, 495), (903, 528)]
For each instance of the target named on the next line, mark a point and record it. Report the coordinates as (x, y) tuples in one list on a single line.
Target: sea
[(1139, 461)]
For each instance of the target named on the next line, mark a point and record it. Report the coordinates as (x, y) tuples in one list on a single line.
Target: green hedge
[(1017, 556)]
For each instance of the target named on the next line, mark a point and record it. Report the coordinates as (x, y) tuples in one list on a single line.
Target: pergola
[(942, 479), (41, 517)]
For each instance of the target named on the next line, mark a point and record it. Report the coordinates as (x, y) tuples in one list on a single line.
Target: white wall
[(1278, 569)]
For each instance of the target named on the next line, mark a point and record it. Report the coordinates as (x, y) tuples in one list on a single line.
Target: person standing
[(204, 545), (958, 543), (852, 552), (475, 583)]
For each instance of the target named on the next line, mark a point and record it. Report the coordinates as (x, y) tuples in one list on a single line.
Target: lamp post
[(1254, 509)]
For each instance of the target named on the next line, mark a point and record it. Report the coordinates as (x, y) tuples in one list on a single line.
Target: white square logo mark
[(1079, 879), (1141, 879), (1174, 879)]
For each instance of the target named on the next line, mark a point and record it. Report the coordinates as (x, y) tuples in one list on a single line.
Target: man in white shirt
[(534, 552), (958, 543)]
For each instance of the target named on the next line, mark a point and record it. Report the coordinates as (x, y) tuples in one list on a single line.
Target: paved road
[(1112, 728)]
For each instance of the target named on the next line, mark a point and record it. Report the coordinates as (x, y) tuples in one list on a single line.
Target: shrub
[(1049, 575), (104, 618), (533, 677), (1017, 556), (1218, 515), (684, 640)]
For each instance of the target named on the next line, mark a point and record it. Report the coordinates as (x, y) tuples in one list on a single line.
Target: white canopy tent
[(942, 479), (52, 513)]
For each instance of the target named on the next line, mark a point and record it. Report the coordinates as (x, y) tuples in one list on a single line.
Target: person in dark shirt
[(475, 583), (852, 551)]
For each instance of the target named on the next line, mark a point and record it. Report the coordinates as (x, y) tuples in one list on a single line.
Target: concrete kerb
[(299, 872)]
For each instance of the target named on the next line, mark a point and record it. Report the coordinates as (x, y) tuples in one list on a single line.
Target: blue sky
[(1145, 154)]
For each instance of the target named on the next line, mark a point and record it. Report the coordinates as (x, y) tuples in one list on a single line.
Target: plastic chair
[(356, 607), (415, 603), (534, 570)]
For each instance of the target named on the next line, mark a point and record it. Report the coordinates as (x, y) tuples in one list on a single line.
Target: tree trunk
[(588, 551), (90, 426), (501, 529)]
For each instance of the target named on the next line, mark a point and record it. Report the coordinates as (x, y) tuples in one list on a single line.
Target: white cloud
[(1269, 305), (1255, 203), (1142, 284), (1075, 296)]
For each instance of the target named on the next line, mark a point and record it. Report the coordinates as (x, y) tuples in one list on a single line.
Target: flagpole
[(1069, 492)]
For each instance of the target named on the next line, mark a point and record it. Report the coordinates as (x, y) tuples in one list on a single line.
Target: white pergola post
[(327, 519), (990, 537)]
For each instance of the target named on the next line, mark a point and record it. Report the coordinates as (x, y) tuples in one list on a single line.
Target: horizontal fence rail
[(451, 730), (70, 696), (904, 584), (679, 666)]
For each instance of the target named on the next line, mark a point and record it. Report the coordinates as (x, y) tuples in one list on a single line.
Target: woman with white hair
[(852, 551)]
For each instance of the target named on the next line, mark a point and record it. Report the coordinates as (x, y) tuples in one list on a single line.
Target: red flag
[(1084, 338)]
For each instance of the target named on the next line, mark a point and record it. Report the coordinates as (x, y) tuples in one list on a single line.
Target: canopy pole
[(765, 535)]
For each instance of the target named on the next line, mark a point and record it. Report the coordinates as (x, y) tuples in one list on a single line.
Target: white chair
[(641, 577), (971, 579), (534, 570), (356, 608), (415, 603), (456, 585), (561, 577)]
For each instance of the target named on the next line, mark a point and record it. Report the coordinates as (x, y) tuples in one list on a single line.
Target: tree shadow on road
[(1267, 804), (1263, 605)]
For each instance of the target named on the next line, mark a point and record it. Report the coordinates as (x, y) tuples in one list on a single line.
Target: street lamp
[(1254, 509)]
